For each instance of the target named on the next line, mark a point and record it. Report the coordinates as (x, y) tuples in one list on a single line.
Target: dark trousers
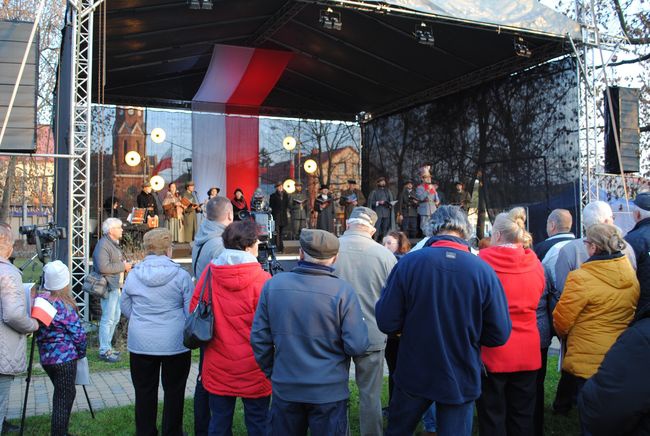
[(538, 417), (567, 392), (201, 403), (507, 403), (279, 237), (327, 419), (392, 348), (410, 226), (63, 377), (145, 375), (406, 410), (222, 409), (383, 227)]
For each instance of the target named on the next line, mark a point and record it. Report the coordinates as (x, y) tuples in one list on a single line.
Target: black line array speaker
[(625, 105), (21, 129)]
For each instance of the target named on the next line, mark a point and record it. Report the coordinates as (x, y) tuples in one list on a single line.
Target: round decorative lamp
[(289, 143), (289, 186), (310, 166), (157, 183), (132, 158), (158, 135)]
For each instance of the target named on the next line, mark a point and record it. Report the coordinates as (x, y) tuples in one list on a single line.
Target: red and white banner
[(43, 311), (225, 149)]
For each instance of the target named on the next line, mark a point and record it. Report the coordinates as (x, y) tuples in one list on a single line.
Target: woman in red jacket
[(507, 400), (229, 368)]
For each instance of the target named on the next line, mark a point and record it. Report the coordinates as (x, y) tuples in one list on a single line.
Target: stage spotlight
[(158, 135), (132, 158), (521, 48), (200, 4), (424, 34), (330, 19), (289, 143), (310, 166), (157, 183), (289, 186)]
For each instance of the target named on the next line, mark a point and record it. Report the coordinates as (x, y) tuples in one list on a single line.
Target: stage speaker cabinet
[(625, 105), (20, 135)]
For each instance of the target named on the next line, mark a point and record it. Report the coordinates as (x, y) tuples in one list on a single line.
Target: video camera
[(41, 236)]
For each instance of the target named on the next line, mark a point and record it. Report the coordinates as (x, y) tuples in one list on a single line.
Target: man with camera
[(109, 261), (14, 322)]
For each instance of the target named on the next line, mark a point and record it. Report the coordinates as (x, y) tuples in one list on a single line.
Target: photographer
[(14, 322), (108, 260)]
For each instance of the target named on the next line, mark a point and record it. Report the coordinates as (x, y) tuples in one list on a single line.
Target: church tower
[(129, 134)]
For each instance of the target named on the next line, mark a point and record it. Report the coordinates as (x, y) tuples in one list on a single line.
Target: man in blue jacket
[(307, 325), (446, 303)]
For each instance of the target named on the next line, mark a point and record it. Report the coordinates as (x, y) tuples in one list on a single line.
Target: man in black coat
[(279, 202), (558, 228), (146, 200), (639, 239)]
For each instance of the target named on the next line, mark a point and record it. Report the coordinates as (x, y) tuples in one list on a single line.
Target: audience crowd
[(459, 329)]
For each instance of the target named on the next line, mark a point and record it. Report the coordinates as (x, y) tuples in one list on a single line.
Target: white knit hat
[(56, 275)]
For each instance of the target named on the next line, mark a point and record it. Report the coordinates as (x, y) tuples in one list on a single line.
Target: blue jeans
[(327, 419), (110, 318), (222, 408), (429, 419), (406, 410)]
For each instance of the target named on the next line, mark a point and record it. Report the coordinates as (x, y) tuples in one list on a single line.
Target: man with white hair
[(366, 264), (639, 239), (109, 261), (14, 323), (574, 253), (446, 303)]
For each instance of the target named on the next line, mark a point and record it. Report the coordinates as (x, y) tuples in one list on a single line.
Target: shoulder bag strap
[(197, 257)]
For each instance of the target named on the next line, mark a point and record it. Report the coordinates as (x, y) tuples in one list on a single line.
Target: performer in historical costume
[(192, 206), (146, 200), (351, 198), (325, 210), (427, 196), (460, 197), (408, 210), (174, 213), (380, 200), (298, 209), (279, 203), (238, 204)]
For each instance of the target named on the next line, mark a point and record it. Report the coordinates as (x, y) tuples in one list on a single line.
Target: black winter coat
[(639, 239), (616, 400)]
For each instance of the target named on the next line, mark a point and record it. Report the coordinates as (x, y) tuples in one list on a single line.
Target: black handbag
[(95, 284), (199, 326)]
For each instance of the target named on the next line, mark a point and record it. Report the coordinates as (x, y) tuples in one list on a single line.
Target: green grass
[(121, 420), (32, 273)]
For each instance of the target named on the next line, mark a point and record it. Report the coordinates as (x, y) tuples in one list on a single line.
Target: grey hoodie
[(209, 243), (156, 298)]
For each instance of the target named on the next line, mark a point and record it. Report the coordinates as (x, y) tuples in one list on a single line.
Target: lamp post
[(289, 144)]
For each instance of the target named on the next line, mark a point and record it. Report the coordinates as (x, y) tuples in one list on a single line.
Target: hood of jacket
[(614, 271), (156, 271), (234, 277), (510, 260), (208, 230), (234, 257)]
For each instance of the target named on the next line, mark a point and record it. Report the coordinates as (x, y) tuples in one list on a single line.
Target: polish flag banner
[(165, 162), (225, 151), (43, 311)]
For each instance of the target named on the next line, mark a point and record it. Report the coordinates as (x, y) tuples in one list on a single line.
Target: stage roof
[(158, 51)]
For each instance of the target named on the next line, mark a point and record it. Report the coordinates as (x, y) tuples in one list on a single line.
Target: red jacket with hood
[(229, 366), (522, 276)]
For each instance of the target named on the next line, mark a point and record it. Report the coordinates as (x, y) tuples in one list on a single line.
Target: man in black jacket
[(639, 239), (279, 202)]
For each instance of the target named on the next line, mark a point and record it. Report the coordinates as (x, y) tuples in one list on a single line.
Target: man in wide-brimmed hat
[(381, 201), (325, 210), (194, 207), (279, 203)]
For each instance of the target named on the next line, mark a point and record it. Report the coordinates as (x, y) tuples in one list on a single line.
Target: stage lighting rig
[(330, 19), (424, 34), (200, 4), (521, 48)]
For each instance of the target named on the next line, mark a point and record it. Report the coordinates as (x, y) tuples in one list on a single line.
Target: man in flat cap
[(408, 209), (298, 209), (146, 200), (366, 264), (639, 239), (279, 202), (325, 210), (192, 207), (307, 325), (351, 198), (381, 201)]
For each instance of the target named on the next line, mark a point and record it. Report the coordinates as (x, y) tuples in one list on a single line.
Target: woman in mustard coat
[(596, 306)]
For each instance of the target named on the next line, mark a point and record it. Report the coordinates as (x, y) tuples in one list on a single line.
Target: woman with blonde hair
[(507, 400), (596, 306)]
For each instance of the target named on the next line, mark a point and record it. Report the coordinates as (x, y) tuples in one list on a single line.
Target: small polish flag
[(43, 311)]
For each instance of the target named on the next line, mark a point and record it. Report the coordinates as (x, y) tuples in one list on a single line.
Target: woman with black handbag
[(235, 281)]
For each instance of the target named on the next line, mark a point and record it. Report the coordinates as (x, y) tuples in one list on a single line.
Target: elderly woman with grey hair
[(156, 299), (109, 261)]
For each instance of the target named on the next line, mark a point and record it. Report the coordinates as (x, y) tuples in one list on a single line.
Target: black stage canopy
[(157, 51)]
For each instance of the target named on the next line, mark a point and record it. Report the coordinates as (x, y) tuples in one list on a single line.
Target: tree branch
[(621, 20)]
